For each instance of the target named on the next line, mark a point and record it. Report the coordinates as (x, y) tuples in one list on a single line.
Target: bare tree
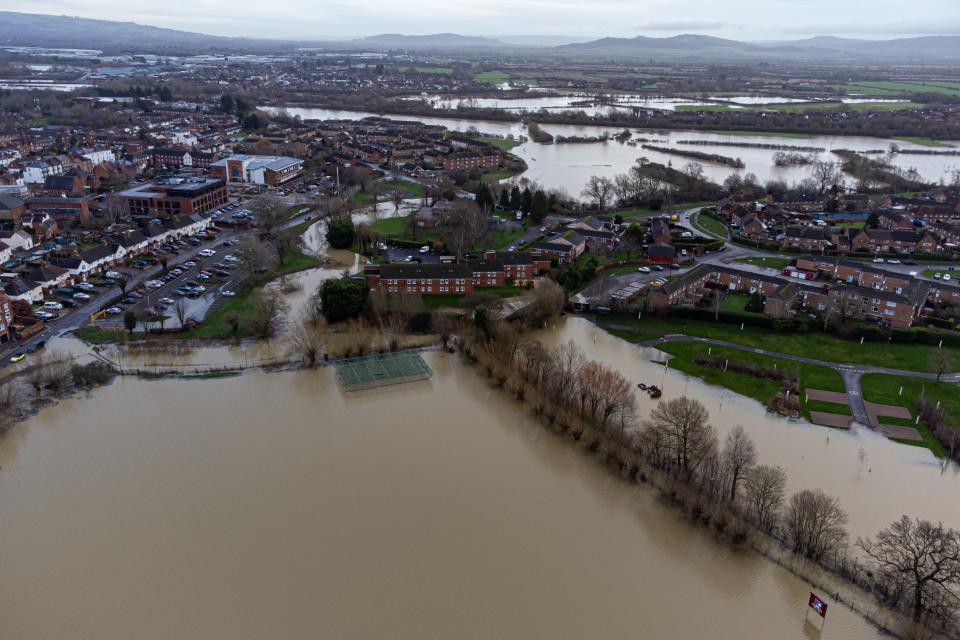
[(824, 174), (942, 361), (49, 370), (738, 456), (114, 208), (467, 225), (607, 394), (267, 314), (269, 212), (765, 488), (307, 339), (599, 190), (547, 302), (816, 523), (11, 400), (396, 199), (393, 314), (180, 308), (682, 435), (255, 258), (567, 359), (925, 557), (444, 325)]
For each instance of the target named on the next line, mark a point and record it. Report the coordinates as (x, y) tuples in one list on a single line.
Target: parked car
[(229, 294), (675, 267), (424, 249), (43, 315), (80, 295), (644, 269), (946, 276), (114, 311), (166, 302), (86, 286), (657, 267), (206, 253), (52, 305), (113, 274), (879, 260)]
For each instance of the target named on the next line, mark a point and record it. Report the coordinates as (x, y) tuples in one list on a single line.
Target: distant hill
[(433, 41), (28, 29), (820, 48)]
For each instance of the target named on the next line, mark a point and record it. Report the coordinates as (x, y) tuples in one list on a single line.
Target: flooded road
[(274, 505)]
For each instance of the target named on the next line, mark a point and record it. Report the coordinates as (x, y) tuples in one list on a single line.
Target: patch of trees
[(341, 233), (716, 158), (754, 145), (343, 298), (792, 159)]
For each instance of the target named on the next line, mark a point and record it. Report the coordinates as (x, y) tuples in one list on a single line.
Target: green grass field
[(492, 77), (926, 142), (800, 107), (763, 134), (895, 88), (760, 389), (432, 303), (886, 390), (445, 71), (769, 262), (500, 143), (710, 226), (817, 345)]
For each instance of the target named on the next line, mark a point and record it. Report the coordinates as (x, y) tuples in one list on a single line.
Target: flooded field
[(569, 166)]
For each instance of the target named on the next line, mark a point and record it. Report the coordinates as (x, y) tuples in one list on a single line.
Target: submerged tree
[(923, 559)]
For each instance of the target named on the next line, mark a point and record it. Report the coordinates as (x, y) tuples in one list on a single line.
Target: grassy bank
[(709, 225), (886, 390), (768, 262), (911, 357), (925, 142), (500, 143), (431, 303), (760, 389)]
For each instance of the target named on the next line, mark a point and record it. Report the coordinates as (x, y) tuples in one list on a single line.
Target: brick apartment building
[(495, 269), (178, 196)]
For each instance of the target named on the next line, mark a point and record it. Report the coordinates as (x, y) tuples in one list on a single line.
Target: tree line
[(912, 565)]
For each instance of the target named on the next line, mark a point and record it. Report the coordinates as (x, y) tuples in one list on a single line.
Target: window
[(891, 304), (889, 312)]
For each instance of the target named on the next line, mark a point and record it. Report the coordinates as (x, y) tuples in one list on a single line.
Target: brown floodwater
[(275, 505)]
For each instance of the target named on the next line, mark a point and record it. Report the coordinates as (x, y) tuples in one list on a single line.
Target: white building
[(98, 156), (38, 172)]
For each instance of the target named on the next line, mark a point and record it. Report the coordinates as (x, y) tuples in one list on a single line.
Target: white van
[(52, 305)]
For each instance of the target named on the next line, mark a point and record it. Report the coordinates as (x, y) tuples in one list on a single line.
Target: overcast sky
[(752, 20)]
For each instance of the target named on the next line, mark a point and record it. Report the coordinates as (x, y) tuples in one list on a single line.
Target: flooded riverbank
[(274, 501), (569, 166)]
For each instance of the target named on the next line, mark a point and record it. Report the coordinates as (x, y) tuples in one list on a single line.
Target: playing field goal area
[(381, 370)]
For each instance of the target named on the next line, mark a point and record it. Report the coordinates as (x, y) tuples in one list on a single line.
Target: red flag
[(817, 605)]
